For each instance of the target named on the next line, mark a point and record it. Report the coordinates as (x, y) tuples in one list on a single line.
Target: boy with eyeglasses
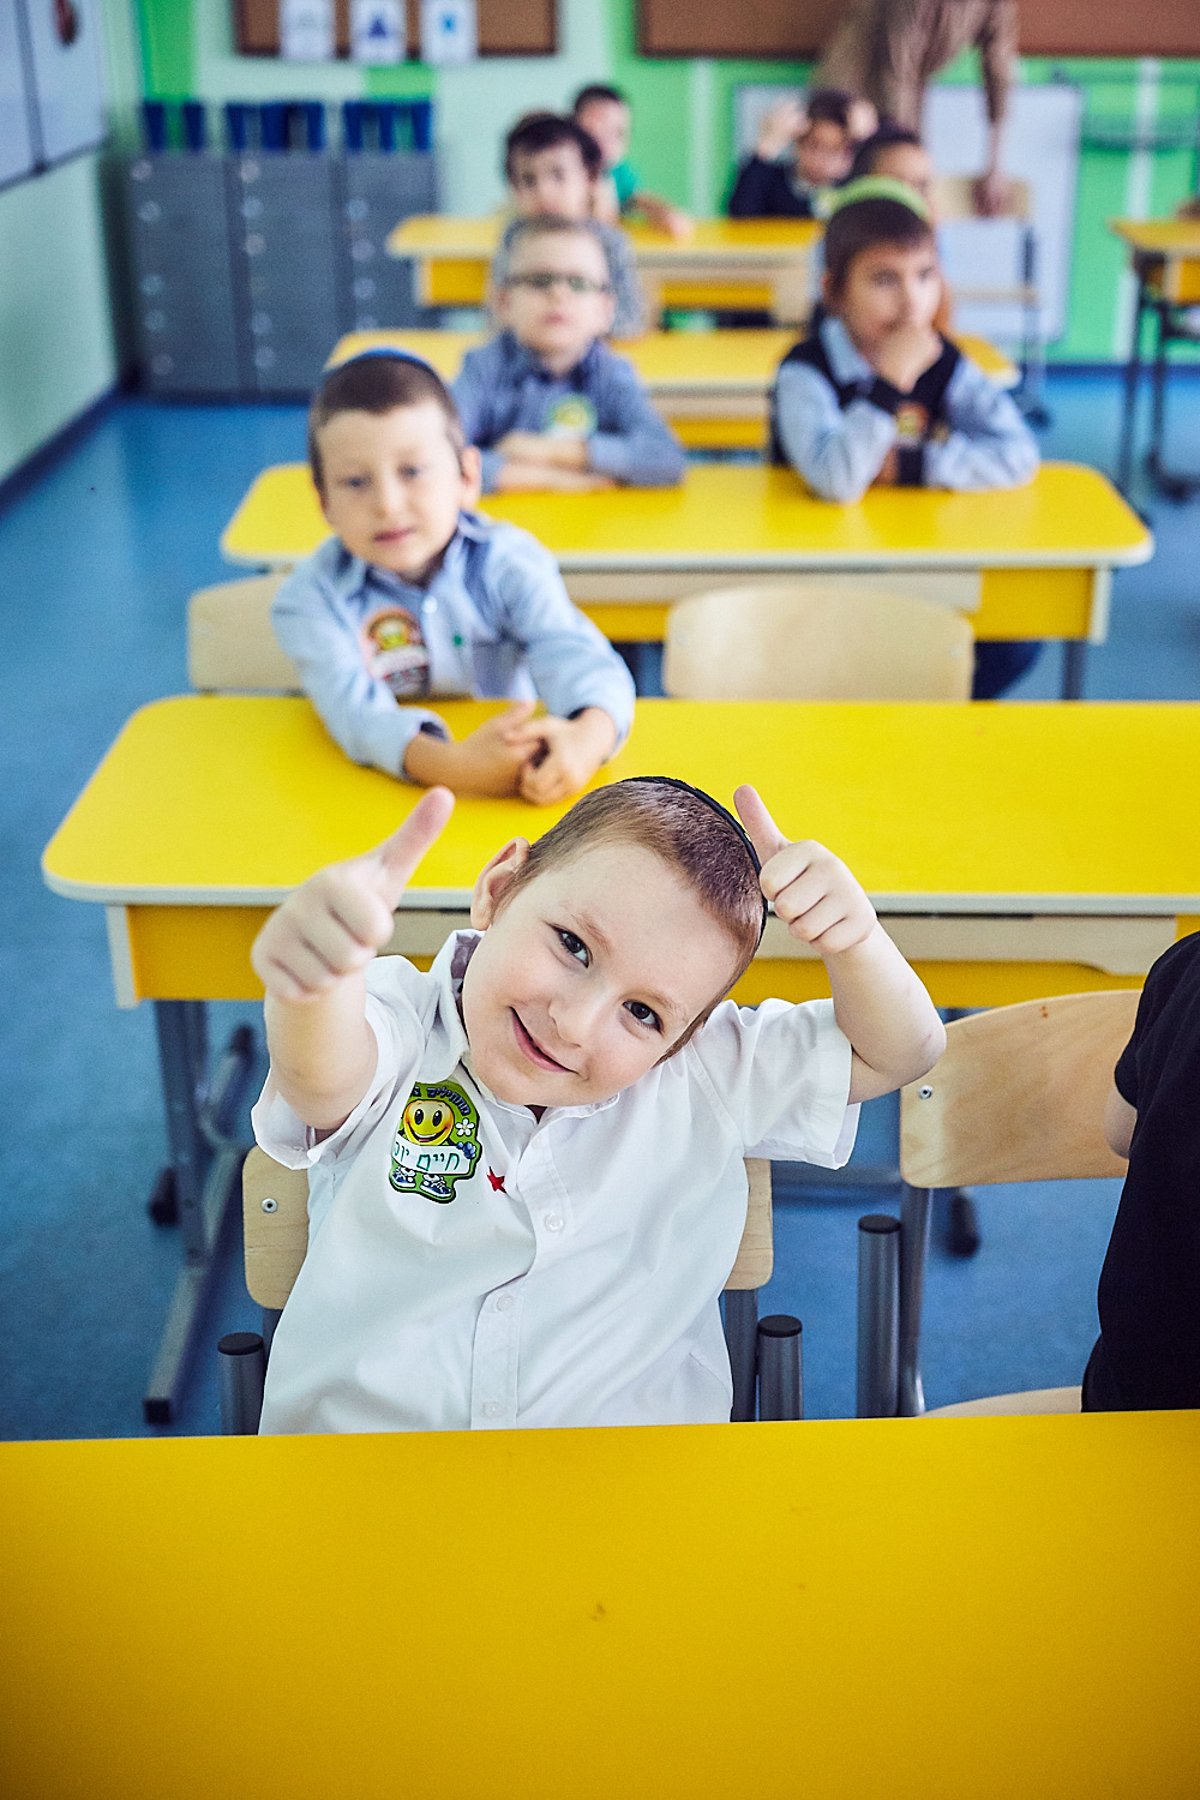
[(547, 402)]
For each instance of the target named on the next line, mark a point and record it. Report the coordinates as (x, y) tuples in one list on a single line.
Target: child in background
[(604, 113), (894, 151), (416, 595), (526, 1181), (875, 394), (820, 136), (901, 155), (553, 168), (549, 404), (1148, 1353)]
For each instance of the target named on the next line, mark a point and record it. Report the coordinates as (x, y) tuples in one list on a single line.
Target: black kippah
[(722, 812)]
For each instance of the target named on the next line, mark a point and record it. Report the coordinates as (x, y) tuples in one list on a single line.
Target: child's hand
[(333, 925), (564, 754), (487, 762), (813, 892), (542, 478), (779, 128), (526, 447), (906, 353)]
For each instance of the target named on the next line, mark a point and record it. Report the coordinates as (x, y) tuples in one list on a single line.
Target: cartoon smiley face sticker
[(436, 1141), (427, 1122)]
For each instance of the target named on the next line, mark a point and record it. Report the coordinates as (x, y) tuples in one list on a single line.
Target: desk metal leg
[(1133, 377), (915, 1210), (1074, 668), (878, 1323), (1171, 482), (205, 1163), (741, 1328)]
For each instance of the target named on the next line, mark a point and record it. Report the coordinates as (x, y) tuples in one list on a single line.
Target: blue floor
[(97, 558)]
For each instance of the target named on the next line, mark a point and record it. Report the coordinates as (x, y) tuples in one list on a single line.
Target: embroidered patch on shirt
[(394, 651), (437, 1141), (572, 416)]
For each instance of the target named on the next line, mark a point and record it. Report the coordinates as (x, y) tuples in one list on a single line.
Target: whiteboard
[(1041, 147), (64, 38), (16, 139)]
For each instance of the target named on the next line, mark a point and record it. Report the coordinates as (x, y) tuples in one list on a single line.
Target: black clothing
[(1149, 1296), (765, 190)]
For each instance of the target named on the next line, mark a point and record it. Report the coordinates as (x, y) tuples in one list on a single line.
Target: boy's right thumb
[(398, 856)]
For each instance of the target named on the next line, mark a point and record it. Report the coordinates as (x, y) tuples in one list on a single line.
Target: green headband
[(877, 187)]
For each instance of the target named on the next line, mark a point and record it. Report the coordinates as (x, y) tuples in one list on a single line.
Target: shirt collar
[(846, 363), (353, 573), (524, 362), (449, 967)]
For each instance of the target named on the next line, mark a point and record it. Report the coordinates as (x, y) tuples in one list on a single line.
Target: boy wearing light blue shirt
[(418, 595), (547, 402)]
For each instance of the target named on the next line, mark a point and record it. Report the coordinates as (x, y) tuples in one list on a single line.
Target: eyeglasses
[(542, 280)]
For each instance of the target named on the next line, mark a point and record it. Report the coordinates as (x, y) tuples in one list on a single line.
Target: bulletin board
[(506, 27), (51, 83), (796, 30)]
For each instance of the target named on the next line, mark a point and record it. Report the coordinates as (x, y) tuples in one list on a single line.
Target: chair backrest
[(275, 1220), (1018, 1095), (815, 641), (954, 198), (231, 647)]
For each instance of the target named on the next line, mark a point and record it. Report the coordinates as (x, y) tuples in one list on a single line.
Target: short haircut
[(595, 92), (689, 833), (376, 383), (870, 150), (861, 225), (829, 106), (546, 131), (551, 225)]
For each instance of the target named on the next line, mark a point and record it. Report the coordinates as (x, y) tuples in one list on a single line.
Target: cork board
[(506, 27)]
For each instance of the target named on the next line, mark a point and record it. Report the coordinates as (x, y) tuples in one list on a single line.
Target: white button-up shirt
[(470, 1265)]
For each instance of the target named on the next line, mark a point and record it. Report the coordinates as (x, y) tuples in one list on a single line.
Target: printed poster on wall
[(449, 32), (306, 31), (377, 31)]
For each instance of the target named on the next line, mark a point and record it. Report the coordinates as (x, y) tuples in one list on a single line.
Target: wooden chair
[(816, 640), (231, 647), (1017, 1096), (764, 1356)]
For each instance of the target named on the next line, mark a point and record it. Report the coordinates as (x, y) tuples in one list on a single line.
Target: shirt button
[(504, 1302), (492, 1410), (553, 1222)]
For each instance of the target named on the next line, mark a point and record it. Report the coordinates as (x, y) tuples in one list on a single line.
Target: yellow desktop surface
[(991, 1609), (436, 235), (720, 363), (235, 800), (1173, 242), (721, 262), (762, 518)]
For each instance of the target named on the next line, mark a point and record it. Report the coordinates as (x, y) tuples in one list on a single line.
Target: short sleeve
[(400, 1033), (1164, 977), (782, 1074)]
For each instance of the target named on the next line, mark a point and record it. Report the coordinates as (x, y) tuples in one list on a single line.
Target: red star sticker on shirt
[(497, 1181)]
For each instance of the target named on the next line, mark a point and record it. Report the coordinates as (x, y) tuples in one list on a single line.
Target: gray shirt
[(502, 387)]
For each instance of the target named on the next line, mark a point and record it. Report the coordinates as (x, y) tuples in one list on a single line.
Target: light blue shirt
[(503, 387), (495, 619), (840, 450)]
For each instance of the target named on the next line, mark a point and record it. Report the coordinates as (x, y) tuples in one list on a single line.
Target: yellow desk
[(984, 833), (711, 385), (999, 1609), (1165, 255), (1043, 554), (733, 264)]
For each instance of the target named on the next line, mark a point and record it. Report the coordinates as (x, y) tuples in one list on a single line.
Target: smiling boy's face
[(824, 153), (556, 299), (393, 485), (588, 974)]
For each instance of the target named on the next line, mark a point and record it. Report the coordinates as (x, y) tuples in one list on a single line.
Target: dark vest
[(922, 414)]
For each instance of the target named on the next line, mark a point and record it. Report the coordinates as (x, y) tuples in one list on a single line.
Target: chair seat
[(1037, 1400)]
